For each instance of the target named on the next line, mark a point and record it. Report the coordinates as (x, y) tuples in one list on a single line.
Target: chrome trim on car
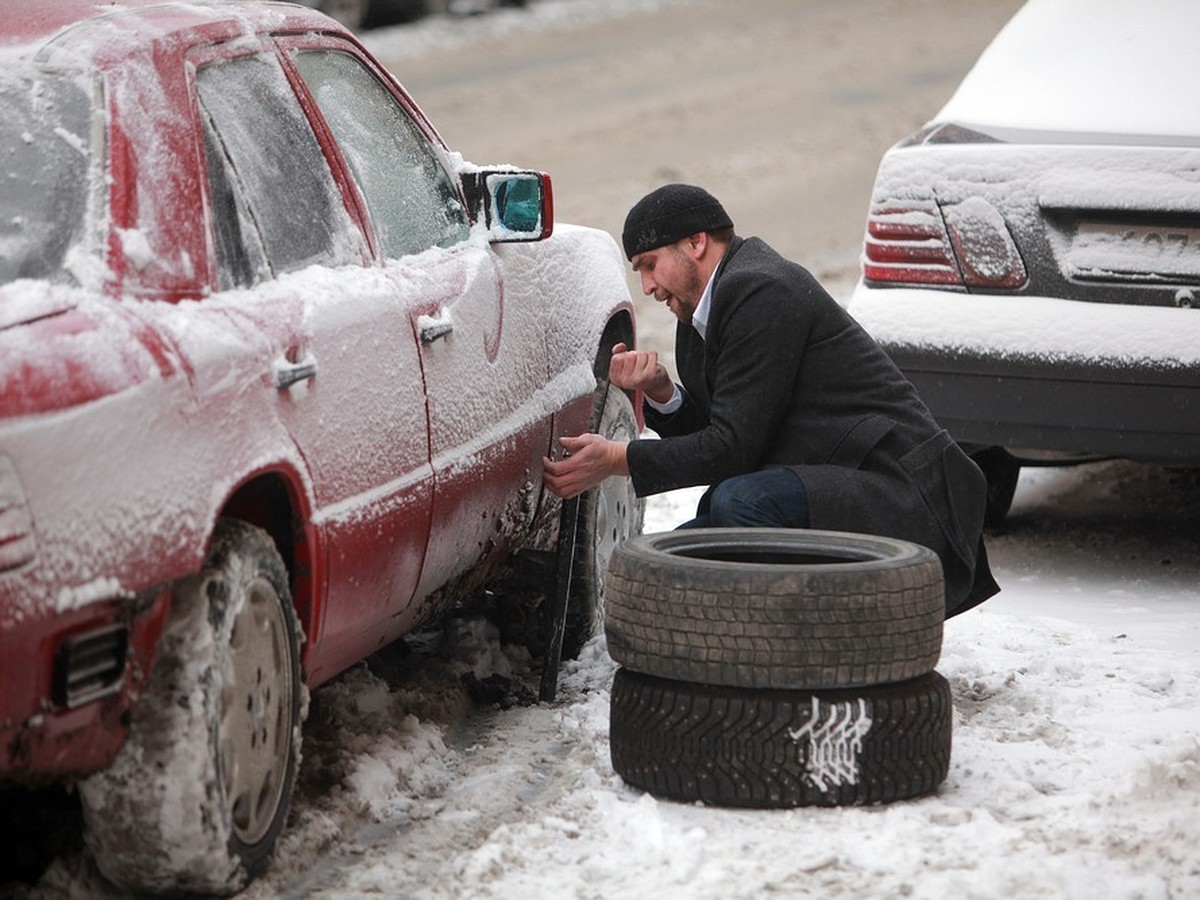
[(90, 665)]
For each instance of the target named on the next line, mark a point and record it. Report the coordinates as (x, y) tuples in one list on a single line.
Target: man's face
[(673, 276)]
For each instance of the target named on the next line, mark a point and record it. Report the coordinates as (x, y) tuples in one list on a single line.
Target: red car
[(277, 374)]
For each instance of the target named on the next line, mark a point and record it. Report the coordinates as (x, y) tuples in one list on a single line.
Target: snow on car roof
[(1095, 66), (26, 26)]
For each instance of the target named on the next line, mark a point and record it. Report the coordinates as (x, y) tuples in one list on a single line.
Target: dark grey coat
[(787, 377)]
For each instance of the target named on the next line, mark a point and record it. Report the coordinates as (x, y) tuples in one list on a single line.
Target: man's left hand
[(589, 460)]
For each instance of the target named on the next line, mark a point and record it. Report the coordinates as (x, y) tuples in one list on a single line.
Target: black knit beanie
[(669, 214)]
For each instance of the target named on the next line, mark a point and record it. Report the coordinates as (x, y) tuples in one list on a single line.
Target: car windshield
[(45, 149), (1105, 67)]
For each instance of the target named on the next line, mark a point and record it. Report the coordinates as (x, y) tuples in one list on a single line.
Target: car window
[(412, 202), (274, 198), (241, 256), (45, 157)]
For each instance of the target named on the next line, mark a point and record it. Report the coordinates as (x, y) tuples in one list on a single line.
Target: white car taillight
[(909, 242)]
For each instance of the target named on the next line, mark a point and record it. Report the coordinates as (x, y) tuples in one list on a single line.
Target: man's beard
[(693, 287)]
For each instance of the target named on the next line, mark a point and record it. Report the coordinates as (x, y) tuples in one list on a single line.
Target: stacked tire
[(774, 668)]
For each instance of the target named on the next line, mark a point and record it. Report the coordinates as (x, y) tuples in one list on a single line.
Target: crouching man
[(787, 409)]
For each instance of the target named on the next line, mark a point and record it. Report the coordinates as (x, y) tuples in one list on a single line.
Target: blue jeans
[(768, 498)]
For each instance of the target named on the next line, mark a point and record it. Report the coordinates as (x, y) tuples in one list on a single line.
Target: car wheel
[(198, 794), (729, 746), (1002, 470), (608, 514), (775, 608)]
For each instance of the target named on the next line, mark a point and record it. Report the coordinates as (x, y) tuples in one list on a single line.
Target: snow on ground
[(1075, 770)]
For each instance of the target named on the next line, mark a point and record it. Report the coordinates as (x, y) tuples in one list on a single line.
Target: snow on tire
[(774, 608), (198, 795), (772, 749)]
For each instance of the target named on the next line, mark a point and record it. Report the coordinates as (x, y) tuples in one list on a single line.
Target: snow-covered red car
[(278, 371), (1032, 255)]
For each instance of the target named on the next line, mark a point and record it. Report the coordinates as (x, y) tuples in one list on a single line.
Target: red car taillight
[(962, 245), (907, 243)]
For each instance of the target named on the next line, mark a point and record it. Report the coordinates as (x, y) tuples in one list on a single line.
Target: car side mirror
[(513, 205)]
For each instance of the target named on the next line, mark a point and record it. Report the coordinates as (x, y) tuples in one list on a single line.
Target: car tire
[(1002, 470), (763, 749), (198, 794), (775, 608), (608, 514)]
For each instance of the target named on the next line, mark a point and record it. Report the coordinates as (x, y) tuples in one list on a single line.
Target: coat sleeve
[(688, 418), (753, 357)]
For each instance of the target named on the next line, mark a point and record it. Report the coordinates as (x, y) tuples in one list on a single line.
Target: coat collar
[(734, 246)]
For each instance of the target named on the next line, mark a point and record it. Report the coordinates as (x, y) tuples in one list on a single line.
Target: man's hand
[(640, 370), (590, 460)]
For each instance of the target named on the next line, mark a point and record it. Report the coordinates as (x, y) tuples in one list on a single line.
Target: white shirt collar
[(700, 316)]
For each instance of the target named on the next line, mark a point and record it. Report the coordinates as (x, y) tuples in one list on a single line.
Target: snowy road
[(1075, 771)]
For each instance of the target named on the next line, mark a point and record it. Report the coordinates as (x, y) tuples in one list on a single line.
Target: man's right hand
[(640, 370)]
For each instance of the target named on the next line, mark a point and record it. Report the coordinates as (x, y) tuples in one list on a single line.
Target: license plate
[(1104, 250)]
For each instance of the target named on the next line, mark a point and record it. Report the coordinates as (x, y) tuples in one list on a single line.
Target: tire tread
[(779, 629), (734, 747)]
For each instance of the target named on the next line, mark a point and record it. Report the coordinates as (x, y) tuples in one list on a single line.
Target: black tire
[(1002, 470), (775, 608), (198, 794), (608, 514), (778, 749)]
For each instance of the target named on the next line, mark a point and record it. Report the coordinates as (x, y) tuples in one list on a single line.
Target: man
[(788, 409)]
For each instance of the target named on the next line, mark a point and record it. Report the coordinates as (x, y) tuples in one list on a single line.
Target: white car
[(1032, 255)]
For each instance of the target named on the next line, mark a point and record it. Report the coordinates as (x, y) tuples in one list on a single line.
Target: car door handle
[(290, 373), (435, 330)]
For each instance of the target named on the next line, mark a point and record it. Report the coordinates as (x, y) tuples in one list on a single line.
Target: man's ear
[(697, 245)]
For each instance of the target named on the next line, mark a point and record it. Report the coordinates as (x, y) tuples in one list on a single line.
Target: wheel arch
[(275, 501), (620, 329)]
